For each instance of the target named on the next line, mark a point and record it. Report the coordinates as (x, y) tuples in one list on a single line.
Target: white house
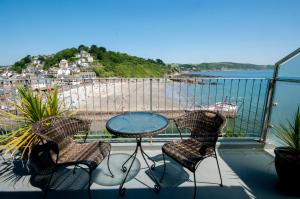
[(36, 61), (83, 53), (85, 64), (87, 74), (63, 72), (7, 74), (52, 71), (63, 63), (90, 59)]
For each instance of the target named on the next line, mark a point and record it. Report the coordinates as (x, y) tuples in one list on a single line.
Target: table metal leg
[(149, 158), (121, 188), (133, 155), (124, 168), (156, 186)]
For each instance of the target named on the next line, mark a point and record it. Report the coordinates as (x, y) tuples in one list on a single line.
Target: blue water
[(249, 95), (239, 73), (287, 94)]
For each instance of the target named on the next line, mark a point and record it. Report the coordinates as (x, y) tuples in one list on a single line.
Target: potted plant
[(32, 107), (287, 157)]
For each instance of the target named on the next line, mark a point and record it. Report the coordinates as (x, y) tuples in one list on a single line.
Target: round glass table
[(137, 125)]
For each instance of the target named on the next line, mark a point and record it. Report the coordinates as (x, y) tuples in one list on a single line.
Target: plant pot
[(287, 164)]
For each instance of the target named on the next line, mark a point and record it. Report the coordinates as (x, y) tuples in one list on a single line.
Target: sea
[(238, 73), (286, 99)]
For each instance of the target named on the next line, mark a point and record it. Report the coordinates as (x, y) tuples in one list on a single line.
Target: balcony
[(246, 172), (247, 163), (241, 100)]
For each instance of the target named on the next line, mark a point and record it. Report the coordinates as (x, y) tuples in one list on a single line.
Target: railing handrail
[(119, 78), (241, 98)]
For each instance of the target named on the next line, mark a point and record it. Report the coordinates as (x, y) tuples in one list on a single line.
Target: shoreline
[(225, 70)]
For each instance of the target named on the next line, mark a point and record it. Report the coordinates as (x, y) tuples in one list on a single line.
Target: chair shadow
[(13, 171), (65, 178), (174, 176)]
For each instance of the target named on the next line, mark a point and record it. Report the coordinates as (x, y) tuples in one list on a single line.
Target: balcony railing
[(242, 100)]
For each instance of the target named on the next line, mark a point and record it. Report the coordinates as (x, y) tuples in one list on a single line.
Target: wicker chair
[(205, 127), (57, 147)]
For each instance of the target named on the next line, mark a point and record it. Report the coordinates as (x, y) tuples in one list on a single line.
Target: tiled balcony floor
[(247, 173)]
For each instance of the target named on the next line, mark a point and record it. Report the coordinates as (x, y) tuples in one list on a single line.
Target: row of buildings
[(76, 68)]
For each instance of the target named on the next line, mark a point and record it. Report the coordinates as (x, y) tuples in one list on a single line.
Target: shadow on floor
[(175, 175), (13, 171), (67, 180), (145, 193), (101, 175), (257, 171)]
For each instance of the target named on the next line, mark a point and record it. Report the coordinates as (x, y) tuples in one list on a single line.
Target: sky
[(176, 31)]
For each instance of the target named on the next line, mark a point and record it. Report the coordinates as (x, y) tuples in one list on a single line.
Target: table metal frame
[(138, 148), (144, 155)]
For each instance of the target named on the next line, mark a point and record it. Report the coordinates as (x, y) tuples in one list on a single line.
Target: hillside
[(223, 66), (105, 63)]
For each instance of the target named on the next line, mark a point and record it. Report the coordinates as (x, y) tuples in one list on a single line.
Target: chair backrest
[(205, 126), (60, 129)]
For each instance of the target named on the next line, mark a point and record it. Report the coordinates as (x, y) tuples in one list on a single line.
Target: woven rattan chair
[(59, 149), (205, 127)]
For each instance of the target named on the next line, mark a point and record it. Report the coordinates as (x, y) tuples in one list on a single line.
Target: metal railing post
[(271, 92), (267, 114), (151, 95)]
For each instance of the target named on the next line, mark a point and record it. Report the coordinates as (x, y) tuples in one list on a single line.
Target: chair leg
[(161, 178), (48, 185), (195, 185), (111, 174), (221, 184)]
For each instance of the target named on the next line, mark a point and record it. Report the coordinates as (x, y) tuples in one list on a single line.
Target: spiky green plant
[(32, 107), (289, 134)]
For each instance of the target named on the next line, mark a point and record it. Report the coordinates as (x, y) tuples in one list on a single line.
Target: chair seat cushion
[(90, 154), (187, 152)]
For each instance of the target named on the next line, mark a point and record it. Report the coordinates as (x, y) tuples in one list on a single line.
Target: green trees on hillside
[(83, 47), (21, 64), (106, 64), (63, 54)]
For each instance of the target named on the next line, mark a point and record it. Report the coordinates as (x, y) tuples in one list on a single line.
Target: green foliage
[(115, 64), (32, 108), (126, 70), (67, 54), (238, 133), (112, 64), (289, 134), (83, 47), (21, 64), (223, 65)]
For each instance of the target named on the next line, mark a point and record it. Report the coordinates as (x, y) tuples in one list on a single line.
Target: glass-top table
[(137, 125)]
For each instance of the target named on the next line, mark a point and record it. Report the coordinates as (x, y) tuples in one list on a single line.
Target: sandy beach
[(112, 95)]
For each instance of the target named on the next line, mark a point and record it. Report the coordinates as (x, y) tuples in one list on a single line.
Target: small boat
[(226, 108)]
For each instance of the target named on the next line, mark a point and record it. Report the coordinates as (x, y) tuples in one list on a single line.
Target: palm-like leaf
[(289, 134), (32, 107)]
